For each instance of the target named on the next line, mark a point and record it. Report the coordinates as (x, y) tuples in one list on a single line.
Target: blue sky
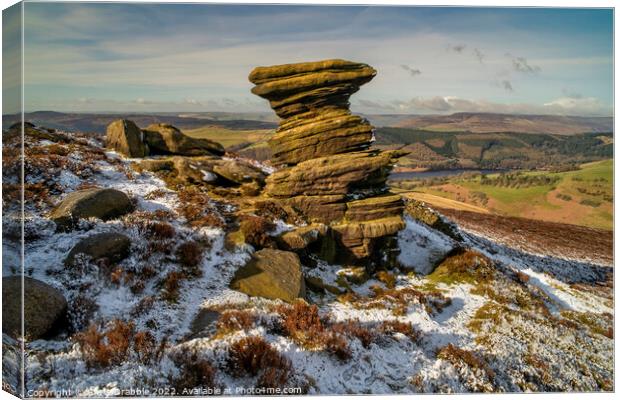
[(158, 57)]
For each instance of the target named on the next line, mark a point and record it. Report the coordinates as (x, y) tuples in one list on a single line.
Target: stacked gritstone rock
[(328, 173)]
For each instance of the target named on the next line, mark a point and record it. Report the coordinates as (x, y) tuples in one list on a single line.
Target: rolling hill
[(498, 150), (486, 122), (97, 123)]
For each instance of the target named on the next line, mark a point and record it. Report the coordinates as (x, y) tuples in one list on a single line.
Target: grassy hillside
[(582, 197), (494, 150)]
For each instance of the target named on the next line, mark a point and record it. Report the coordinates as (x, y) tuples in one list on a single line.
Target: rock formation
[(184, 159), (328, 172), (125, 137), (207, 170)]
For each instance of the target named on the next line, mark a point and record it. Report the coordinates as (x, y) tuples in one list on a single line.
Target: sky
[(433, 60)]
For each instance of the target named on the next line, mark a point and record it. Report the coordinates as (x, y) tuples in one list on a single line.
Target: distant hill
[(440, 150), (484, 123), (97, 123)]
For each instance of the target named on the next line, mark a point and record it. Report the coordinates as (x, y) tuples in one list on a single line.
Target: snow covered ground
[(535, 323)]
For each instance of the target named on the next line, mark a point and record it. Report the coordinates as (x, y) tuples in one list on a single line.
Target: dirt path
[(540, 237)]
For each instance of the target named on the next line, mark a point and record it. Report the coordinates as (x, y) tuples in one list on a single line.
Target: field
[(229, 137), (580, 197)]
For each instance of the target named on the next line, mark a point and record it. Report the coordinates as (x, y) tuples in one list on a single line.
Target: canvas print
[(246, 199)]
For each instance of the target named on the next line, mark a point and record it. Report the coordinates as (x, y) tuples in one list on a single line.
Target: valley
[(583, 196)]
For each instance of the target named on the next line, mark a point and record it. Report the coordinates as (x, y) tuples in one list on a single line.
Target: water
[(401, 176)]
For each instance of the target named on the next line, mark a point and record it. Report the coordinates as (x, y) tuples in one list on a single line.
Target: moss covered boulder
[(99, 203), (44, 307), (272, 274)]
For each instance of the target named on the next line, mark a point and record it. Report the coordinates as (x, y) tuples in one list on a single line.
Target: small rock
[(302, 237), (96, 202), (156, 165), (44, 307), (273, 274), (112, 246), (317, 284), (125, 137), (354, 275), (204, 324)]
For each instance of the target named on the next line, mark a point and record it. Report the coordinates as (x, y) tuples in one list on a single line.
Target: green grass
[(587, 195), (229, 137)]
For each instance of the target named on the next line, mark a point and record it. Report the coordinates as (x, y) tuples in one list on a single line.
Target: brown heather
[(254, 356), (235, 320)]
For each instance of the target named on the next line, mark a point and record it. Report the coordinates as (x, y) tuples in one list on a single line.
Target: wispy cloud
[(505, 84), (457, 48), (479, 55), (412, 71), (520, 64)]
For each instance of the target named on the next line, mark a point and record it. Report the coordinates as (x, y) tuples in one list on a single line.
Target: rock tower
[(327, 171)]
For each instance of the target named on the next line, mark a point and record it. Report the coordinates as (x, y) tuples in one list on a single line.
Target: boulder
[(44, 307), (126, 138), (157, 164), (273, 274), (95, 202), (112, 246), (316, 284), (196, 170), (166, 139), (302, 237), (239, 172)]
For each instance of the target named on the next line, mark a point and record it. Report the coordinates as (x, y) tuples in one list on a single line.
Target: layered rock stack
[(327, 171)]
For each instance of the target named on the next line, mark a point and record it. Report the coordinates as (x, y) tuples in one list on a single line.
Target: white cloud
[(579, 105), (452, 104)]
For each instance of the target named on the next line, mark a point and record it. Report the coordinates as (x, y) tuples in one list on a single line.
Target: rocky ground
[(462, 314), (162, 265)]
